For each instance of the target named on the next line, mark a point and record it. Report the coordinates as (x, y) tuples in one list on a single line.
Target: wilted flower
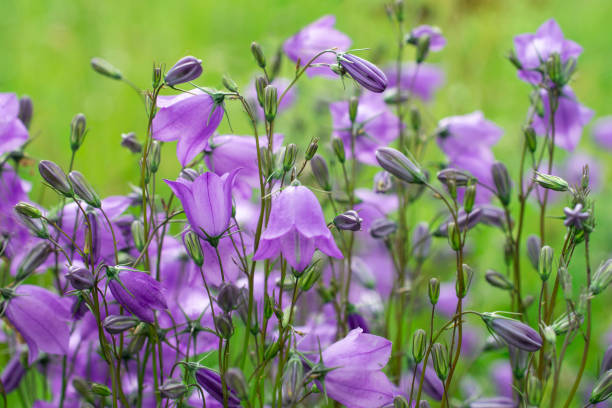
[(575, 217), (191, 118), (314, 38), (185, 70), (356, 379), (296, 228), (135, 290), (13, 132), (363, 72), (513, 332), (207, 202), (211, 382)]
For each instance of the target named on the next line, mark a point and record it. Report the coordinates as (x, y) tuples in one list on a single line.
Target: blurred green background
[(47, 46)]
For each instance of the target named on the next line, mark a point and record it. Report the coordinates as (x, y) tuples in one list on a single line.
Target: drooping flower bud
[(33, 260), (26, 110), (36, 226), (534, 244), (320, 172), (454, 236), (228, 297), (551, 182), (545, 263), (606, 361), (173, 388), (211, 382), (116, 324), (498, 280), (348, 221), (192, 243), (396, 163), (55, 176), (27, 210), (460, 178), (310, 276), (270, 102), (503, 185), (338, 147), (419, 345), (129, 141), (236, 381), (224, 325), (567, 322), (434, 290), (513, 332), (80, 278), (602, 389), (229, 83), (439, 355), (363, 72), (13, 373), (185, 70), (100, 389), (105, 68), (78, 129), (258, 54), (83, 189), (381, 228)]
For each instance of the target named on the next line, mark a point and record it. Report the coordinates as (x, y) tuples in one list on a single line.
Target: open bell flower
[(41, 317), (190, 118), (137, 292), (207, 202), (296, 228), (13, 133), (355, 378)]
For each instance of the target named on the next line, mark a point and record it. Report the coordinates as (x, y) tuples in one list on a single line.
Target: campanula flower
[(436, 40), (211, 382), (190, 118), (207, 202), (363, 72), (314, 38), (458, 135), (13, 133), (421, 80), (602, 131), (513, 332), (186, 69), (296, 228)]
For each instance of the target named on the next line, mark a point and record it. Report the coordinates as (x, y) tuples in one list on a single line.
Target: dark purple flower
[(513, 332), (207, 202), (138, 292), (376, 126), (356, 321), (356, 379), (13, 133), (422, 80), (296, 228), (436, 39), (534, 49), (363, 72), (575, 217), (13, 373), (314, 38), (186, 69), (191, 118), (211, 382), (570, 119), (41, 317), (602, 131)]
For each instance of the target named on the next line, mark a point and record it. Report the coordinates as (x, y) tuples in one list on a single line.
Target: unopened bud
[(353, 106), (35, 258), (173, 388), (26, 110), (381, 228), (228, 297), (419, 344), (312, 148), (551, 182), (290, 156), (545, 263), (270, 102), (185, 70), (258, 54), (601, 278), (100, 389), (116, 324), (192, 243), (83, 189), (105, 68), (236, 381), (55, 177), (434, 290), (260, 85), (469, 198), (154, 156), (338, 147), (498, 280), (422, 49), (348, 221), (320, 172), (80, 278), (229, 83), (534, 245), (530, 138), (501, 179), (129, 141), (396, 163), (439, 355), (27, 210), (224, 325)]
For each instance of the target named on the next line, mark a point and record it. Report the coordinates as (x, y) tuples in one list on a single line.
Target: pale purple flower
[(296, 228), (602, 131), (357, 380), (421, 80), (459, 135), (501, 373), (12, 191), (572, 170), (41, 317), (13, 373), (376, 126), (314, 38), (207, 202), (13, 132), (432, 385), (570, 119), (436, 39), (534, 49), (575, 217), (137, 292), (191, 118), (211, 382)]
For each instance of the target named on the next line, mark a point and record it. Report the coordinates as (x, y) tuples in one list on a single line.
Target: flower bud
[(154, 156), (551, 182), (565, 322), (530, 138), (534, 390), (192, 243), (137, 229), (80, 278), (415, 119), (400, 402), (258, 54), (260, 85), (293, 378), (460, 178), (513, 332), (83, 389), (434, 290), (55, 177), (424, 404), (498, 280), (309, 277), (320, 172), (228, 297), (381, 228), (78, 129), (602, 389), (554, 68), (173, 388), (422, 48), (454, 236), (290, 156), (229, 83), (545, 263), (353, 106), (440, 360), (363, 72), (26, 110), (37, 227), (13, 373), (27, 210), (83, 189), (312, 148), (338, 147), (128, 140), (105, 68), (534, 245), (270, 102), (185, 70), (116, 324), (224, 325), (606, 361), (348, 221), (469, 197), (211, 382), (36, 257), (100, 389), (419, 344), (501, 179), (396, 163), (601, 278), (156, 76), (235, 380), (462, 284)]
